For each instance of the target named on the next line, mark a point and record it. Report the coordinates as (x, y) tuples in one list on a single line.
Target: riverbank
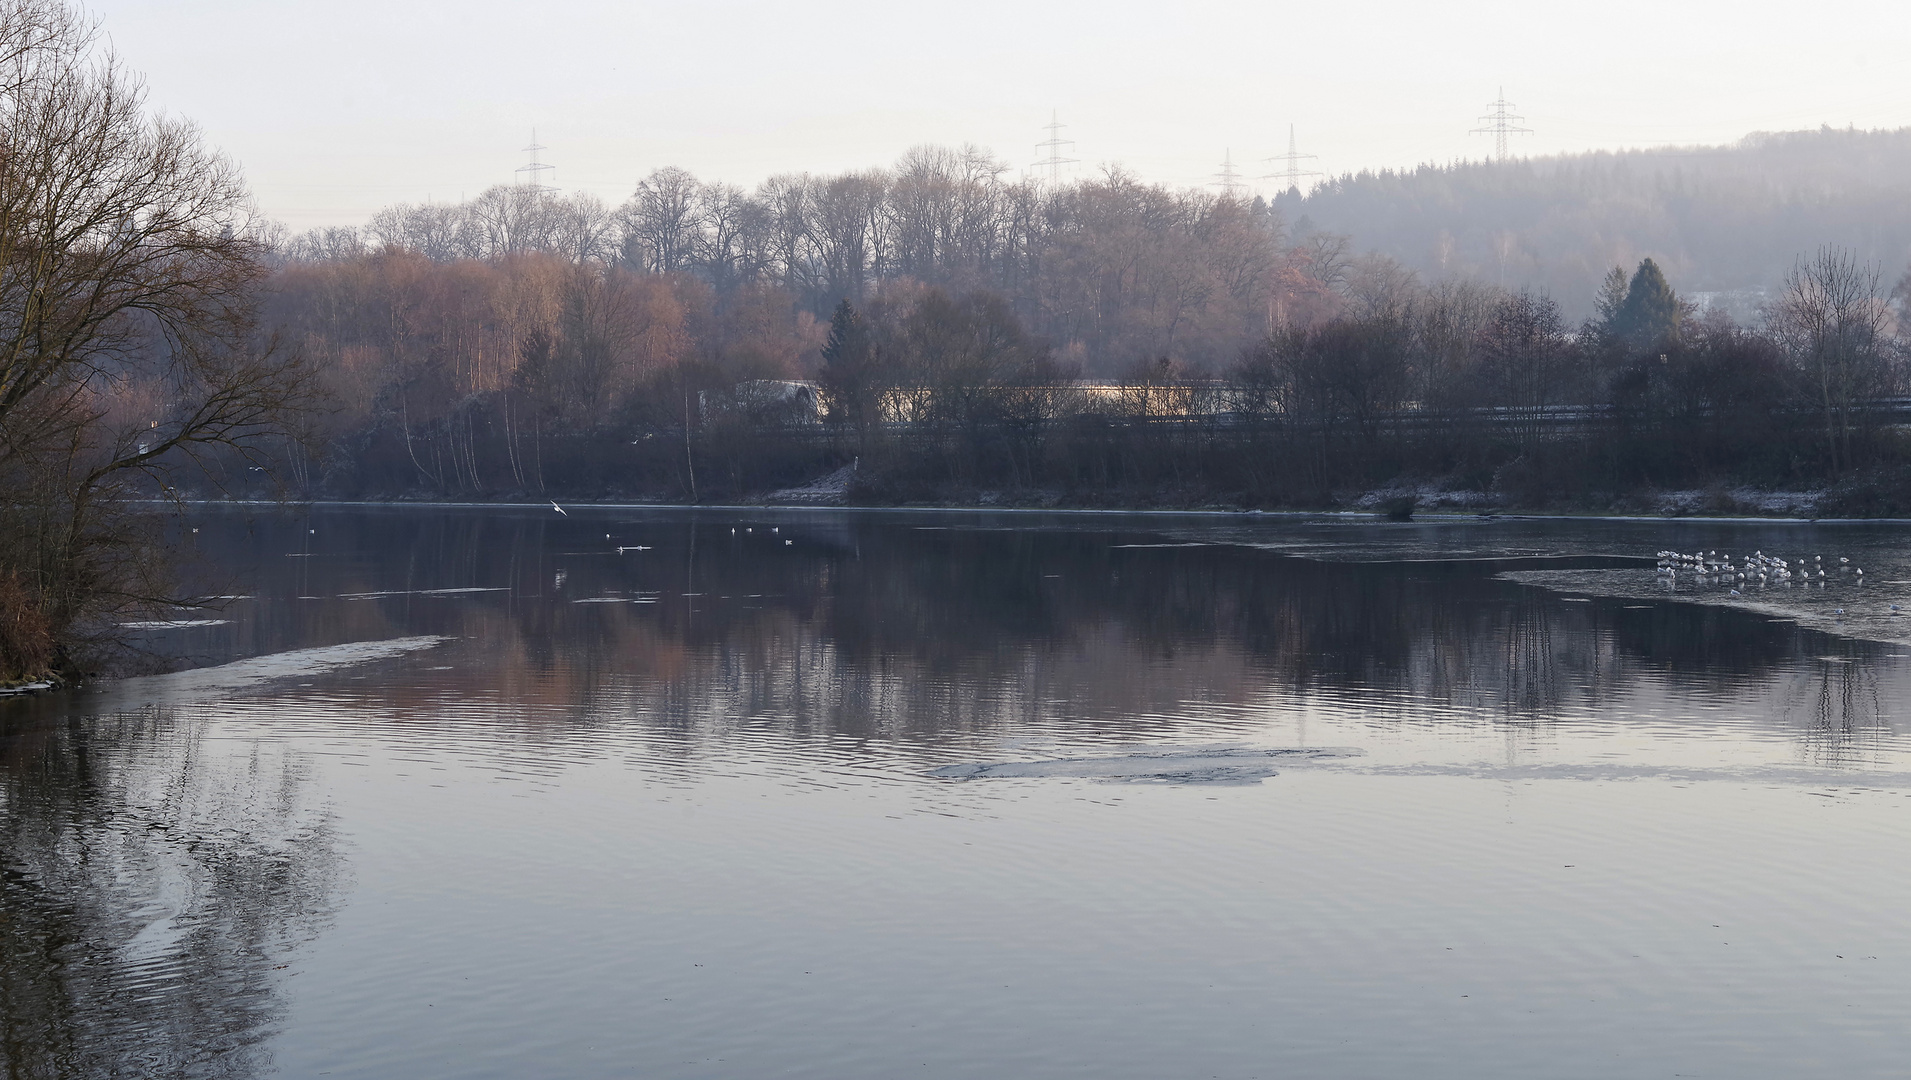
[(1398, 501), (518, 501), (1877, 493)]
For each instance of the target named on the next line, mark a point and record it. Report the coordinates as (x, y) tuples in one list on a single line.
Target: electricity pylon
[(1500, 123), (1290, 174)]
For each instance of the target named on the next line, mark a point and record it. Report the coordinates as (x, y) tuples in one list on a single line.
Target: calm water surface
[(502, 793)]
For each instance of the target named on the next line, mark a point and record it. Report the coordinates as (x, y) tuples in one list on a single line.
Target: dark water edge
[(1141, 510), (484, 791)]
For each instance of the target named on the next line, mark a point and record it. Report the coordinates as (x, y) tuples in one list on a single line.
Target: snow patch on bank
[(1740, 500), (1428, 496), (830, 490)]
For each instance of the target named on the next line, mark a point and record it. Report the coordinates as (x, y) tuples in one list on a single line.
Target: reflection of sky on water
[(842, 795)]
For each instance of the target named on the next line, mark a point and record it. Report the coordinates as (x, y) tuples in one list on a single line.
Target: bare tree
[(585, 229), (846, 216), (788, 205), (660, 222), (1379, 287), (1325, 256), (722, 247), (1834, 321), (438, 232), (128, 312), (1527, 361), (1450, 320), (511, 219), (330, 243)]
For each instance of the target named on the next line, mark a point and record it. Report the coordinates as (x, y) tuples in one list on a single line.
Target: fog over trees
[(1718, 220)]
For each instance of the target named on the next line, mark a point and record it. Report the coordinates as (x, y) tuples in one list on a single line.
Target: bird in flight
[(558, 508)]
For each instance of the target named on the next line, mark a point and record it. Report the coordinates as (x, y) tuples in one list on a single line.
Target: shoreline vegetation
[(1375, 510), (936, 333), (1235, 361)]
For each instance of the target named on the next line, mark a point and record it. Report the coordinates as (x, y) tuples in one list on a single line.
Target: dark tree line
[(1469, 386), (540, 372), (1109, 336)]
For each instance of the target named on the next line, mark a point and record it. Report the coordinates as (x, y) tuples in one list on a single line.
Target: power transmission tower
[(1053, 148), (1290, 174), (1229, 178), (532, 175), (1500, 123)]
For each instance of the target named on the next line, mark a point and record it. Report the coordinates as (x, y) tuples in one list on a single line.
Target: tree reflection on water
[(152, 888), (1846, 722), (899, 627)]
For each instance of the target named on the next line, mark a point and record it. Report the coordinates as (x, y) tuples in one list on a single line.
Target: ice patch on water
[(242, 675), (1168, 765), (420, 592), (25, 688), (1844, 605)]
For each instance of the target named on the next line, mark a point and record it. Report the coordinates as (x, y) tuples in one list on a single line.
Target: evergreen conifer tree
[(1651, 312), (849, 369), (848, 343), (1612, 297)]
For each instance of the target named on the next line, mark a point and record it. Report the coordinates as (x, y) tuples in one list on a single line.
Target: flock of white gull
[(1758, 570)]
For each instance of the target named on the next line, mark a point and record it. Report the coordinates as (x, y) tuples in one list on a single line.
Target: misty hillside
[(1721, 220)]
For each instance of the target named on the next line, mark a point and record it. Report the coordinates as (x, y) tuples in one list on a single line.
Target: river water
[(500, 792)]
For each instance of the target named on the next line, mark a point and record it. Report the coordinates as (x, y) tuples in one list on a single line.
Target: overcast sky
[(338, 107)]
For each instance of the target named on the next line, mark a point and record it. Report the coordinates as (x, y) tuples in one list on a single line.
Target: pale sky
[(336, 108)]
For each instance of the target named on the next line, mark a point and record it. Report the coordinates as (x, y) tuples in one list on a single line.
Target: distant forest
[(1720, 220), (950, 330)]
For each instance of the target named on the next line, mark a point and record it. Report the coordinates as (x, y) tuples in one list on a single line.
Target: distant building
[(791, 401)]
